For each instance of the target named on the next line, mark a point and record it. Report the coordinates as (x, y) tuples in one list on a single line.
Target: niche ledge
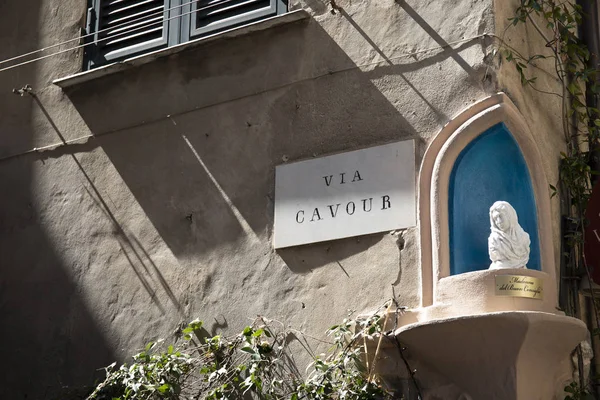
[(495, 356)]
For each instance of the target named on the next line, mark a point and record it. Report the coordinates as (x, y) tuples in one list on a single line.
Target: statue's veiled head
[(503, 216)]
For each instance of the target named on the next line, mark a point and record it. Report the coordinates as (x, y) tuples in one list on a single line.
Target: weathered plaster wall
[(50, 337), (167, 213)]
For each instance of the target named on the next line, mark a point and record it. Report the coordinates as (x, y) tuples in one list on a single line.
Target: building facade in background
[(139, 181)]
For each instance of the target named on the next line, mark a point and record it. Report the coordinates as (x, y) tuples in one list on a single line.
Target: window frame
[(179, 26)]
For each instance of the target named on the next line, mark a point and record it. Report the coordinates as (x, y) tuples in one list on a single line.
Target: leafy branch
[(253, 363)]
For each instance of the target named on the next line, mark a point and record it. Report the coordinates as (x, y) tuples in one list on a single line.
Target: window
[(125, 28)]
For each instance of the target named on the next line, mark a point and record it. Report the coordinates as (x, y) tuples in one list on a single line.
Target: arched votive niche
[(488, 169), (487, 156)]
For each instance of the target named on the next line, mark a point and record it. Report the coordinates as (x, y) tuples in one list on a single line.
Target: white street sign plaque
[(344, 195)]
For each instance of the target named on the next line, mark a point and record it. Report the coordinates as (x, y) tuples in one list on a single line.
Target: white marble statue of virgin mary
[(508, 243)]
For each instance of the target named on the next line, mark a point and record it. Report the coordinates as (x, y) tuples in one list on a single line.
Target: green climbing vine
[(558, 24)]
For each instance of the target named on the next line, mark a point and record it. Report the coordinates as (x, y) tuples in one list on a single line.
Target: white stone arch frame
[(434, 177)]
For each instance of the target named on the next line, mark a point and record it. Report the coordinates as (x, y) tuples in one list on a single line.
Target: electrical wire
[(77, 39), (258, 93), (127, 32)]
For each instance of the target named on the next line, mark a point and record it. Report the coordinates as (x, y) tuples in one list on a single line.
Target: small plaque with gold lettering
[(519, 286)]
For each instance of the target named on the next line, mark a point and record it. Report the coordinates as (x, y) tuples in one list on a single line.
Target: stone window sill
[(109, 69)]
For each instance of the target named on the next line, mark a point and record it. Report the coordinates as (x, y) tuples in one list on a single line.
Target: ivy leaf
[(248, 350), (258, 332), (164, 388)]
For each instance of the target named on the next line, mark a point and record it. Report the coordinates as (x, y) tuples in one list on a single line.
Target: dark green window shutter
[(124, 28), (209, 16)]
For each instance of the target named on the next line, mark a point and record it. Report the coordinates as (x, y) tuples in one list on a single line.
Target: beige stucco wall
[(166, 214), (540, 105)]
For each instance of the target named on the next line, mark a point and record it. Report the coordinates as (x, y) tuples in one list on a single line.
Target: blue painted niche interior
[(490, 168)]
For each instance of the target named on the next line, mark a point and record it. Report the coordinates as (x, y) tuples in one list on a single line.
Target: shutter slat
[(154, 22), (132, 37), (127, 7), (153, 12), (108, 3), (218, 14), (224, 6)]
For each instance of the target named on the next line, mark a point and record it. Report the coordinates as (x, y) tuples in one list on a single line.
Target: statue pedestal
[(475, 293)]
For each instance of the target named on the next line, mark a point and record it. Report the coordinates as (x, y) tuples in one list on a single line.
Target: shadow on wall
[(198, 134), (204, 176), (303, 259), (50, 344)]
